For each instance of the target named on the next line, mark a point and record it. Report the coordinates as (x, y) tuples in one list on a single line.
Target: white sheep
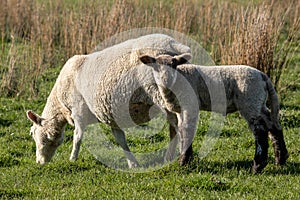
[(103, 86), (226, 89)]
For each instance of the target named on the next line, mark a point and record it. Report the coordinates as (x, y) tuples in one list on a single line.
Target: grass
[(223, 174)]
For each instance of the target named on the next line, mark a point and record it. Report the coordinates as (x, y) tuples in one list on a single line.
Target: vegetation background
[(38, 36)]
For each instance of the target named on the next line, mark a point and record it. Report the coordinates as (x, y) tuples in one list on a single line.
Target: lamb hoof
[(185, 159), (281, 160), (257, 168)]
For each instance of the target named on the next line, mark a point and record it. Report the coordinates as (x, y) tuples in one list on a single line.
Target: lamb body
[(226, 89)]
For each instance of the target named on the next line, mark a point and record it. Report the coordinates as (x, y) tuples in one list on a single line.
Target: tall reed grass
[(36, 35)]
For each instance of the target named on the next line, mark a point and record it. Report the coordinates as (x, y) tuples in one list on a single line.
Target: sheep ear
[(50, 137), (35, 118), (183, 58), (147, 60), (67, 114)]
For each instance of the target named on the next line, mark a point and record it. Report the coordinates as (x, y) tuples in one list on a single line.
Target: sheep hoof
[(133, 165), (72, 159)]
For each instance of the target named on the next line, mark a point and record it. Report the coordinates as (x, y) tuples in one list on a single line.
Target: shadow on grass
[(5, 122), (240, 165), (289, 168), (12, 193), (218, 167), (290, 107), (8, 161)]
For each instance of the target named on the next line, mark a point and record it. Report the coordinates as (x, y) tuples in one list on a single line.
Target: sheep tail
[(274, 101)]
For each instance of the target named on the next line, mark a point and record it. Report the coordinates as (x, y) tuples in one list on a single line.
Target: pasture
[(37, 38)]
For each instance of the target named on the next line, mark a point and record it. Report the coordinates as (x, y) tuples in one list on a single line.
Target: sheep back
[(108, 80)]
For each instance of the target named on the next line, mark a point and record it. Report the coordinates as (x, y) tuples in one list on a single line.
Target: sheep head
[(46, 135)]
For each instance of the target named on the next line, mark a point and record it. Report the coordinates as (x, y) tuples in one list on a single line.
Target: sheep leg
[(276, 135), (261, 145), (82, 117), (186, 128), (80, 125), (77, 138), (121, 140)]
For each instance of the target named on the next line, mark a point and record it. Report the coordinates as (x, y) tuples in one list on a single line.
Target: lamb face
[(164, 67)]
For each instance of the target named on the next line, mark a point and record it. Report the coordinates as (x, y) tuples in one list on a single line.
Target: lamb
[(107, 86), (226, 89)]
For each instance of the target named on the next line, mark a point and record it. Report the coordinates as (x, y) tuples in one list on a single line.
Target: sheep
[(102, 87), (226, 89)]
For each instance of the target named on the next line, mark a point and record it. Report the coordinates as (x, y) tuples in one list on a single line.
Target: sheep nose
[(40, 161)]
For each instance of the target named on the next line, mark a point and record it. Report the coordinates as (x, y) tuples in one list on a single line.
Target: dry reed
[(36, 35)]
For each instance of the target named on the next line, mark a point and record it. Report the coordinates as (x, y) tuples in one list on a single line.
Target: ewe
[(102, 86), (245, 89)]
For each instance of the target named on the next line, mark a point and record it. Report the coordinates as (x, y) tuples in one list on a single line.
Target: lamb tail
[(274, 102)]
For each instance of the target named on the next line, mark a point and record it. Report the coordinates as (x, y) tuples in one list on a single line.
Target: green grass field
[(225, 173)]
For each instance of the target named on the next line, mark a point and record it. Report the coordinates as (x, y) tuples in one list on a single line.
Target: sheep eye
[(45, 141), (31, 133)]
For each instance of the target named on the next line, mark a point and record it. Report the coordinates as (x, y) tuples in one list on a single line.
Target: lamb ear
[(35, 118), (147, 59), (183, 58)]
